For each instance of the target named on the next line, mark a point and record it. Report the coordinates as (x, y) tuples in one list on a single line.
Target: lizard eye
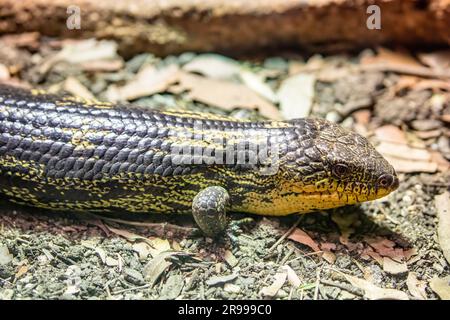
[(340, 170)]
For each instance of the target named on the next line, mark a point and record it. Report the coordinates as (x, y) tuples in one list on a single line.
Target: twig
[(158, 228), (131, 289), (415, 71), (344, 287), (316, 289), (284, 236)]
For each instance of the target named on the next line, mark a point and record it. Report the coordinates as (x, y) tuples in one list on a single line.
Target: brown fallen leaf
[(257, 84), (271, 290), (428, 134), (441, 286), (300, 236), (80, 51), (390, 133), (442, 203), (400, 62), (76, 88), (128, 235), (375, 256), (149, 80), (296, 95), (28, 40), (403, 151), (213, 66), (386, 248), (21, 271), (158, 245), (443, 164), (143, 250), (406, 166), (362, 117), (437, 59), (373, 292), (433, 84), (109, 65), (393, 267), (387, 56), (292, 277), (157, 266), (416, 287), (4, 73), (223, 94)]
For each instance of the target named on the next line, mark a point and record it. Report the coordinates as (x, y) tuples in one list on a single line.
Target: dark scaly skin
[(64, 153)]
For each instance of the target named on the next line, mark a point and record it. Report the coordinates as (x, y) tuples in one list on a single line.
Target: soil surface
[(387, 248)]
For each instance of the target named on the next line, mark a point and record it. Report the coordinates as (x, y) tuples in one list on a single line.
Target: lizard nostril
[(388, 181)]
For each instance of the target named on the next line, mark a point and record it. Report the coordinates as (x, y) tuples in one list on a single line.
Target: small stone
[(333, 116), (5, 256), (111, 262), (133, 276), (230, 258), (426, 125), (231, 288)]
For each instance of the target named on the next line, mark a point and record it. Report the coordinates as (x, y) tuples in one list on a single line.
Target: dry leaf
[(143, 250), (223, 94), (329, 256), (385, 248), (443, 164), (407, 159), (230, 258), (437, 59), (109, 65), (128, 235), (22, 270), (403, 151), (4, 72), (374, 255), (87, 50), (158, 245), (442, 203), (296, 95), (390, 133), (149, 80), (302, 237), (156, 267), (386, 56), (213, 66), (257, 84), (406, 166), (393, 267), (292, 277), (416, 287), (373, 292), (76, 88), (441, 286), (272, 290)]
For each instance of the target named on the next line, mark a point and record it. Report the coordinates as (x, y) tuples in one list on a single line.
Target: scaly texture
[(60, 152)]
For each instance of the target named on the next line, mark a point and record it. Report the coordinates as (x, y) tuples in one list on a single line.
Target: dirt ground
[(384, 249)]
